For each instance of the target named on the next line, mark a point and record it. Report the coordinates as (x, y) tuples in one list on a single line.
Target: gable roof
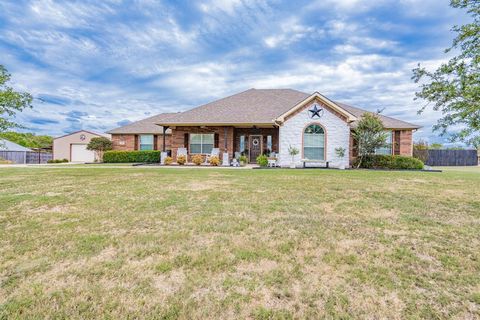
[(254, 106), (147, 125), (264, 107), (388, 122), (317, 96), (7, 145), (91, 132)]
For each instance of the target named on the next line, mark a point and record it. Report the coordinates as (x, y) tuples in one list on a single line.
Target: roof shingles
[(253, 106)]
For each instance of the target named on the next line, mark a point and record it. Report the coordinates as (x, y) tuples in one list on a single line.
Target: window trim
[(392, 151), (201, 143), (140, 142), (325, 144)]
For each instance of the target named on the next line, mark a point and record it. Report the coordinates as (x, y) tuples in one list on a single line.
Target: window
[(201, 143), (146, 142), (314, 142), (269, 144), (242, 143), (388, 148)]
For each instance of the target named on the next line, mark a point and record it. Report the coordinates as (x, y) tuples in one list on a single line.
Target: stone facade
[(337, 134)]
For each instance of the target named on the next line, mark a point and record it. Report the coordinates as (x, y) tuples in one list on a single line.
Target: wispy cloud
[(97, 65)]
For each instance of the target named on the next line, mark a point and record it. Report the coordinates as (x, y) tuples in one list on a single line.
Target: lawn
[(92, 242)]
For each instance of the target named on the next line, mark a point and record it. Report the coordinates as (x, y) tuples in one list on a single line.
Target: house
[(73, 146), (261, 121)]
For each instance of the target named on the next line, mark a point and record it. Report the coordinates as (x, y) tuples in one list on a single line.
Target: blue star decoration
[(316, 112)]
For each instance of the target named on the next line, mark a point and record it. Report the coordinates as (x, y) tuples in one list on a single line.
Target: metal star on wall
[(316, 112)]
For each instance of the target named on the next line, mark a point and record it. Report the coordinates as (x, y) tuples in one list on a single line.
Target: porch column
[(164, 131)]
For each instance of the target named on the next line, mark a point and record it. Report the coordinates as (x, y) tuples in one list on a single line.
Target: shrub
[(243, 160), (57, 161), (389, 162), (197, 159), (3, 161), (214, 161), (168, 161), (262, 160), (181, 160), (131, 156)]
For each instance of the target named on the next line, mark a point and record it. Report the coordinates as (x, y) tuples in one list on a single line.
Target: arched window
[(314, 142)]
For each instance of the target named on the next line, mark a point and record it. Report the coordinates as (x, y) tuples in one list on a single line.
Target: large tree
[(11, 101), (454, 88)]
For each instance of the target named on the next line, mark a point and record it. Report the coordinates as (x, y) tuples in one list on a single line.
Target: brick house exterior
[(262, 121)]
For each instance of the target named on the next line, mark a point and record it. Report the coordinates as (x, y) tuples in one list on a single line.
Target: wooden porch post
[(225, 137), (164, 131)]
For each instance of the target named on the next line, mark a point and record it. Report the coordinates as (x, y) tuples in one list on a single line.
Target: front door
[(255, 147)]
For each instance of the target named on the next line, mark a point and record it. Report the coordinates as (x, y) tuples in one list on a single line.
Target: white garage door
[(81, 154)]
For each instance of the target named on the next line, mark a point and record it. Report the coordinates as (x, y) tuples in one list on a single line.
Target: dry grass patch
[(229, 244)]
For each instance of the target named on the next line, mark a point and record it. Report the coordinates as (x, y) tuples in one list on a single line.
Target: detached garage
[(73, 146)]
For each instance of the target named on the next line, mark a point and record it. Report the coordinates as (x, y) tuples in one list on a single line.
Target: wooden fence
[(27, 157), (447, 157)]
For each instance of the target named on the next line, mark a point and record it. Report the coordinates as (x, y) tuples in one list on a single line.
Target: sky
[(97, 65)]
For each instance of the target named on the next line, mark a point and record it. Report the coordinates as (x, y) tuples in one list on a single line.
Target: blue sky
[(97, 65)]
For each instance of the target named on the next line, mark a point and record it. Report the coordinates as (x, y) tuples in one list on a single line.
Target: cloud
[(123, 122), (97, 65)]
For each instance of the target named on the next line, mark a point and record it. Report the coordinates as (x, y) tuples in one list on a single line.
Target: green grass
[(97, 242)]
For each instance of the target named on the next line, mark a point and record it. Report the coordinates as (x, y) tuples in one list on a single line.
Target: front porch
[(249, 141)]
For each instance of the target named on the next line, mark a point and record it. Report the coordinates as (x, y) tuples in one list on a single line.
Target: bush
[(262, 160), (197, 159), (57, 161), (181, 160), (243, 160), (389, 162), (168, 161), (131, 156), (214, 161), (3, 161)]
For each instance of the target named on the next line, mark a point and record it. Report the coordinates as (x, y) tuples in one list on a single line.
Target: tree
[(11, 101), (454, 88), (28, 140), (369, 135), (99, 145)]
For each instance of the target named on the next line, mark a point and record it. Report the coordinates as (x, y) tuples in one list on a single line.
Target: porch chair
[(272, 160), (215, 153)]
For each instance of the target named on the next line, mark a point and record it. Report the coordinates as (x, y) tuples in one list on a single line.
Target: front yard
[(85, 242)]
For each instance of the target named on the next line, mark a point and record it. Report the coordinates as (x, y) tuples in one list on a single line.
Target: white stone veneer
[(337, 135)]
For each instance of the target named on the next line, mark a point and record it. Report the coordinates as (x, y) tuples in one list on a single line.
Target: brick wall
[(406, 142), (178, 138), (264, 132), (123, 142), (129, 142)]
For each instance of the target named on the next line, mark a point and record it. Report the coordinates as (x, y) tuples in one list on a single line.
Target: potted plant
[(197, 159), (214, 161), (292, 151), (243, 160), (340, 152), (168, 161), (262, 160), (181, 160)]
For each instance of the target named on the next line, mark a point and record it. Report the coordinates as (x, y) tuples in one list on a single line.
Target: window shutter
[(136, 142), (185, 141), (216, 138), (155, 142)]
